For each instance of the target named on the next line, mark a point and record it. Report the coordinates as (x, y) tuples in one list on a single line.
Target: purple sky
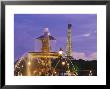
[(27, 27)]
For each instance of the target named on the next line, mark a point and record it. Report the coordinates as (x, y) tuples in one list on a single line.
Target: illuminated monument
[(48, 63), (46, 48), (45, 40), (69, 41), (40, 63), (45, 55)]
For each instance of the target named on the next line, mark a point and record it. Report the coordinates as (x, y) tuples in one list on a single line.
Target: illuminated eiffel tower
[(69, 41)]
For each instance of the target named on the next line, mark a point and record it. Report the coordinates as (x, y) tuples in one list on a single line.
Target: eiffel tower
[(69, 41)]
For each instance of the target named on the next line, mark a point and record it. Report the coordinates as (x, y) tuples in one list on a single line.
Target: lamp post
[(63, 64)]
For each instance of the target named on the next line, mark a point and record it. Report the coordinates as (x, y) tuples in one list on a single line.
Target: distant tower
[(69, 41), (45, 40)]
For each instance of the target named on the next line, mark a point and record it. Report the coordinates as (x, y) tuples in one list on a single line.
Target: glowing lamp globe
[(63, 63), (29, 63), (60, 52)]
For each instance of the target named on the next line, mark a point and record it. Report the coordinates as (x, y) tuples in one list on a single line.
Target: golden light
[(63, 63), (68, 64), (60, 52), (29, 63), (22, 66)]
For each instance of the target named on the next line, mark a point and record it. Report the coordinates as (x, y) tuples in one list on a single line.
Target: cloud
[(83, 35), (93, 56), (86, 35), (81, 55)]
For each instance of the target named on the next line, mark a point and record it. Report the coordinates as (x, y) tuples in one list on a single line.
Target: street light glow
[(60, 52), (29, 63), (63, 63), (68, 64)]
